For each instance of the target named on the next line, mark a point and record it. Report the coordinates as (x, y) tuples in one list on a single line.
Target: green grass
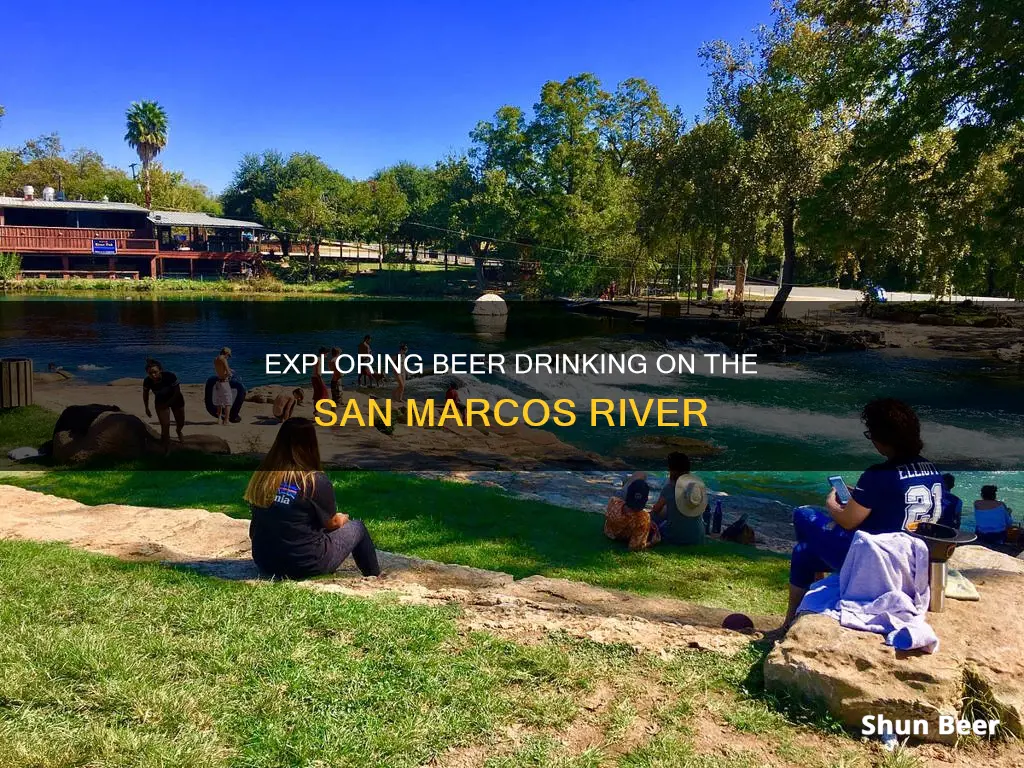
[(434, 519), (154, 667), (107, 663), (174, 286), (470, 525), (395, 280), (24, 426)]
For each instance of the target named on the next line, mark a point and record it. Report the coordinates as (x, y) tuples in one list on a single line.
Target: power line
[(463, 234)]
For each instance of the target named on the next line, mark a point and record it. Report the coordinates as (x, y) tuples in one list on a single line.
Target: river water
[(785, 429)]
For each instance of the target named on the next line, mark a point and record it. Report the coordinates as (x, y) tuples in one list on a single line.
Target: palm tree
[(147, 135)]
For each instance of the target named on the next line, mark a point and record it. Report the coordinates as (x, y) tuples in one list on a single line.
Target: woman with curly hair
[(892, 496)]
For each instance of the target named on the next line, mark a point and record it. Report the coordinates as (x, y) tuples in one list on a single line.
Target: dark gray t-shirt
[(288, 537), (678, 529)]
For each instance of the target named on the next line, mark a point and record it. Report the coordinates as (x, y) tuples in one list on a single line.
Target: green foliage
[(10, 266), (82, 173), (928, 182), (850, 138), (147, 129), (146, 122), (809, 166), (379, 206), (257, 177)]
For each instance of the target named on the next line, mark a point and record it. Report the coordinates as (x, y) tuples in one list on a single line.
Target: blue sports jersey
[(952, 510), (898, 494)]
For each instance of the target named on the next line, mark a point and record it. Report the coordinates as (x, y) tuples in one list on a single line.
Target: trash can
[(15, 382)]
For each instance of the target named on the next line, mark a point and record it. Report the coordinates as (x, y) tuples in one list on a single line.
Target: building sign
[(104, 246)]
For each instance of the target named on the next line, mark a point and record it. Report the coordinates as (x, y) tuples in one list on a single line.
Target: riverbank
[(978, 331), (990, 331), (526, 463), (589, 491), (350, 447), (397, 281)]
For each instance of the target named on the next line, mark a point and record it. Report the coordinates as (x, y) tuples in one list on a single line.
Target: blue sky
[(363, 85)]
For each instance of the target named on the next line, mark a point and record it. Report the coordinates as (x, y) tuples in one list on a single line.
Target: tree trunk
[(774, 312), (380, 255), (478, 253), (697, 278), (481, 273), (716, 249), (741, 279), (149, 193)]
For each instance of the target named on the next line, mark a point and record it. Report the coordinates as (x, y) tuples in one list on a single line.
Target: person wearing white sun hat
[(683, 499)]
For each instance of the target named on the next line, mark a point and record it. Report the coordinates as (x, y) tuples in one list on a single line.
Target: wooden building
[(88, 238)]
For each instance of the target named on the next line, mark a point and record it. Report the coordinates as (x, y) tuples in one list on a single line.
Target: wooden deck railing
[(95, 274), (71, 240)]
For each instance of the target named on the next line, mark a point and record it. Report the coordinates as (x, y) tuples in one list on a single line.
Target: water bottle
[(707, 518), (716, 520)]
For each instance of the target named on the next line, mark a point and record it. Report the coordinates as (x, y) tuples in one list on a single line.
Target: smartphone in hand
[(842, 491)]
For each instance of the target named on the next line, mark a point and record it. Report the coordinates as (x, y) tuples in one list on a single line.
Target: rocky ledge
[(776, 342), (977, 673)]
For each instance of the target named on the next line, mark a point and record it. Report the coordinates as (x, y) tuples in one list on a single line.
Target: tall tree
[(478, 205), (301, 210), (147, 135), (257, 177), (793, 141), (420, 186), (381, 206)]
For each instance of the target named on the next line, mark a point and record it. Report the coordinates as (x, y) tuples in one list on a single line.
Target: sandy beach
[(348, 447)]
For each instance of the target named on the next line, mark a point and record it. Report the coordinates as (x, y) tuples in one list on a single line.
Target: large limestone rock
[(86, 432), (981, 657)]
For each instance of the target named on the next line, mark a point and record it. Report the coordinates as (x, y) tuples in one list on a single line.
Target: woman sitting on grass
[(893, 496), (296, 529), (625, 518)]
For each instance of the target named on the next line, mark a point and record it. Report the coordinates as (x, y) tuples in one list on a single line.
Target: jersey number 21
[(924, 505)]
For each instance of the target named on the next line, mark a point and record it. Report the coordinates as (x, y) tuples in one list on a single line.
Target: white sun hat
[(691, 496)]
